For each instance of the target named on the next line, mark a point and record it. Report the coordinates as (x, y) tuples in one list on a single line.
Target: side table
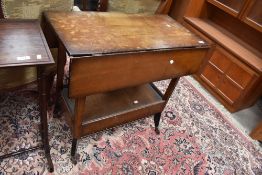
[(23, 44)]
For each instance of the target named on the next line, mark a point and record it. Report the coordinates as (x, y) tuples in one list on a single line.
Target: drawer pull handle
[(171, 61)]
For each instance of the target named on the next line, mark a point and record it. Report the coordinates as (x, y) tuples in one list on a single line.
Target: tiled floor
[(245, 120)]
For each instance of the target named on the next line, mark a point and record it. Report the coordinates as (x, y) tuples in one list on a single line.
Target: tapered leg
[(73, 151), (157, 120), (43, 115), (77, 126), (165, 97)]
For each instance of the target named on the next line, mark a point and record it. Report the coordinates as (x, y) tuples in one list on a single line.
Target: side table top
[(98, 33), (22, 43)]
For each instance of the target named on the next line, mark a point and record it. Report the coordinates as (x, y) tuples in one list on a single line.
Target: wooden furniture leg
[(78, 117), (73, 151), (157, 120), (43, 114), (165, 97), (61, 61)]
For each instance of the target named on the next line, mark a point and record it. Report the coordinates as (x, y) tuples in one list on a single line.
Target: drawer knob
[(171, 61), (136, 102)]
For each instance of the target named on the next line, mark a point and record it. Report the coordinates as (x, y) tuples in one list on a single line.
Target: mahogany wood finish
[(177, 9), (195, 8), (219, 35), (248, 11), (137, 36), (88, 74), (23, 44), (253, 14), (164, 7), (247, 36), (106, 110), (232, 7), (110, 72), (228, 76), (233, 72), (17, 49)]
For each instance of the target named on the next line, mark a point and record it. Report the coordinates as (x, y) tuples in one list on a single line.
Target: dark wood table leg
[(157, 120), (73, 151), (43, 115), (61, 61), (166, 96), (78, 118)]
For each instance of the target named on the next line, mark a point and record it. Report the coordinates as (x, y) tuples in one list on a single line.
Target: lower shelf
[(109, 109)]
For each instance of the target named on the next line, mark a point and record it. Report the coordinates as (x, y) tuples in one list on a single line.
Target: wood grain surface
[(22, 43), (92, 33)]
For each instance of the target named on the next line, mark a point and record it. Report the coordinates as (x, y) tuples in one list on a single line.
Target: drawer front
[(107, 73)]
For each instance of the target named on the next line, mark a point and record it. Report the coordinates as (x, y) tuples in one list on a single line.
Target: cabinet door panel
[(229, 91), (240, 74), (220, 60), (211, 75), (255, 13)]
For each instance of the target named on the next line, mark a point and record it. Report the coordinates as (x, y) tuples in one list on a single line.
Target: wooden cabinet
[(232, 7), (229, 78), (253, 14), (248, 11), (233, 70)]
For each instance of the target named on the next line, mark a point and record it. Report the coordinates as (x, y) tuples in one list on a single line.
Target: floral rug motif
[(195, 139)]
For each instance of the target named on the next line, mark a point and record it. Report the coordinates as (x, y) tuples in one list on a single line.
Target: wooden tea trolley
[(114, 58)]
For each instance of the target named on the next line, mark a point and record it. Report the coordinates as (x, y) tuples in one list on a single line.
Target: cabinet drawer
[(111, 72)]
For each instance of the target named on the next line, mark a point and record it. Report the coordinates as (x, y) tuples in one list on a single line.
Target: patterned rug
[(195, 139)]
